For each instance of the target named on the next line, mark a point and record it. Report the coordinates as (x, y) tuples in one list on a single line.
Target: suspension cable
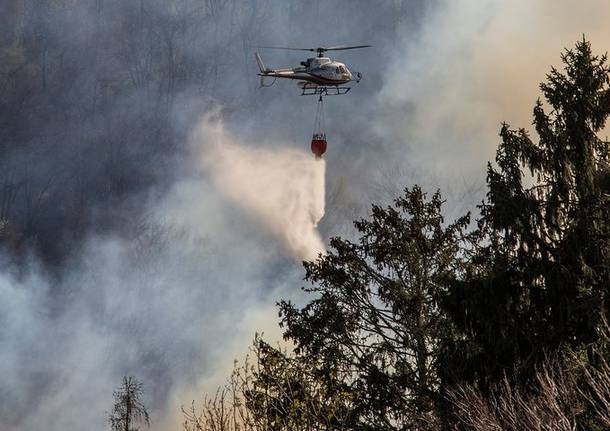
[(319, 121)]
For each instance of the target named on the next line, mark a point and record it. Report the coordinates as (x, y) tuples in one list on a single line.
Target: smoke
[(174, 303), (195, 253), (472, 66), (282, 188)]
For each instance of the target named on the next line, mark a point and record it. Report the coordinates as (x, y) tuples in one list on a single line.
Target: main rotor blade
[(282, 47), (342, 47)]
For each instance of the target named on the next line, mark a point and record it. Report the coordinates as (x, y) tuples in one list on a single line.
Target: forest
[(423, 324), (491, 319)]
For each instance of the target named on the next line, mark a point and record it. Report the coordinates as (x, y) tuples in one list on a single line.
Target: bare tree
[(226, 410), (128, 410)]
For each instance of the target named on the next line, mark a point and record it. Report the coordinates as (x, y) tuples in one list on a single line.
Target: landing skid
[(324, 91)]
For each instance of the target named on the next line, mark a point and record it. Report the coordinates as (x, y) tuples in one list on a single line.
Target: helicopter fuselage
[(318, 70)]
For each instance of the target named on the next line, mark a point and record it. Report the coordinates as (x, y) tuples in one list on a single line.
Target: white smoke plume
[(173, 304), (282, 187), (473, 65)]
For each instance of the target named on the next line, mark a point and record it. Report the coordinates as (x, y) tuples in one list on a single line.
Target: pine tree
[(542, 275)]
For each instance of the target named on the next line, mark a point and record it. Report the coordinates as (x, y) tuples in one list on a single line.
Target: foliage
[(422, 324), (288, 394), (272, 390), (375, 325), (541, 276)]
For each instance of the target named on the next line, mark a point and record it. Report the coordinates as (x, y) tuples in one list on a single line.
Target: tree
[(375, 326), (286, 392), (541, 277), (271, 391), (420, 324), (128, 410)]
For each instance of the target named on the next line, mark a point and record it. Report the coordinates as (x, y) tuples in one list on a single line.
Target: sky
[(219, 240)]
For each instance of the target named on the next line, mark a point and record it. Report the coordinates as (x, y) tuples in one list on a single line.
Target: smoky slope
[(173, 304), (99, 97)]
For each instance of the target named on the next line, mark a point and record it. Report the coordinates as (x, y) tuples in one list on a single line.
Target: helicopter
[(316, 75)]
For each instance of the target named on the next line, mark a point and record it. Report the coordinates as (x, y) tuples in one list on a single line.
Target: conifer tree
[(542, 274), (374, 327)]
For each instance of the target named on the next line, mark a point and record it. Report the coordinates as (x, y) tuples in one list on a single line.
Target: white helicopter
[(318, 75)]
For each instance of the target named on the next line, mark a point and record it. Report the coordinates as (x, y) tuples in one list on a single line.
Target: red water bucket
[(318, 144)]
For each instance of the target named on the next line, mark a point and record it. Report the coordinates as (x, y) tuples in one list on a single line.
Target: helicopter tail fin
[(260, 63)]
